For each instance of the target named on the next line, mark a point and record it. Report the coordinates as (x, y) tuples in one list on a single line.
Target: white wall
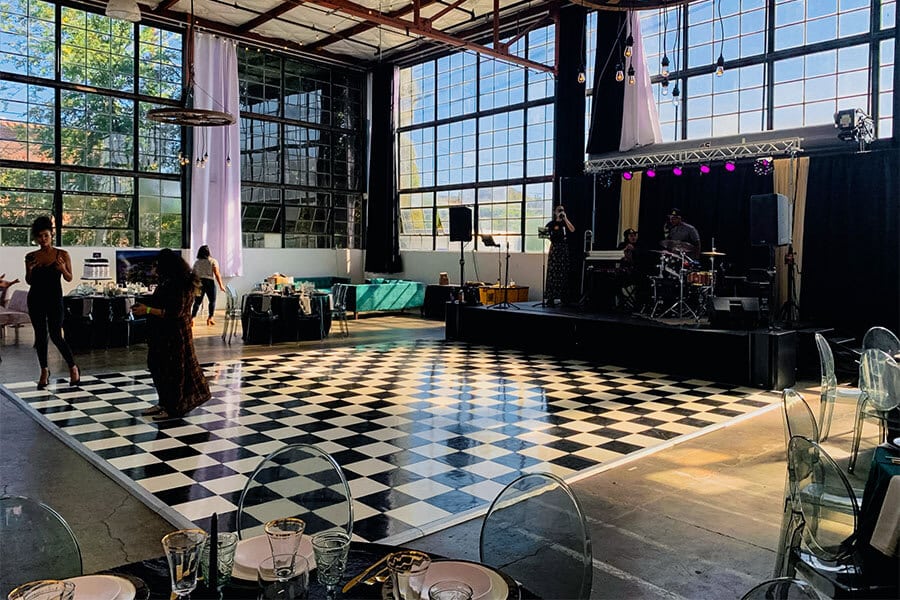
[(524, 269), (259, 263)]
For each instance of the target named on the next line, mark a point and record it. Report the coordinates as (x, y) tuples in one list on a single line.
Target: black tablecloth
[(155, 572), (878, 567), (291, 324)]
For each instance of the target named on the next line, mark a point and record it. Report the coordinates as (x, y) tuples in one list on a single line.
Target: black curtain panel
[(717, 204), (608, 94), (851, 248), (568, 144), (382, 223)]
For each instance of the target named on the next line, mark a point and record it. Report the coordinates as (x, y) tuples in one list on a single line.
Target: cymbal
[(677, 246), (713, 254)]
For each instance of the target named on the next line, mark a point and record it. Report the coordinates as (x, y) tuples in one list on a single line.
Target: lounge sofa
[(384, 295)]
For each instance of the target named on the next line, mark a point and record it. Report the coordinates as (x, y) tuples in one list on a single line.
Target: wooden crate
[(495, 295)]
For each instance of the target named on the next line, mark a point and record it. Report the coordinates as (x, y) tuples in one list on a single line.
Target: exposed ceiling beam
[(408, 27), (269, 15), (365, 26), (629, 4), (166, 4), (446, 9)]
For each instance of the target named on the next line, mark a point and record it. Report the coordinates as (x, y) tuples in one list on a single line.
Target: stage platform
[(760, 358)]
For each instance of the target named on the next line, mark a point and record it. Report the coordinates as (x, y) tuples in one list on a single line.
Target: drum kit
[(682, 287)]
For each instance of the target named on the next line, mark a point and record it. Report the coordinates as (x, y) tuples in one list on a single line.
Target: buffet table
[(268, 317)]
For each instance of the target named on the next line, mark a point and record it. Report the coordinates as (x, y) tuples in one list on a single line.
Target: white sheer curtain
[(640, 120), (216, 189)]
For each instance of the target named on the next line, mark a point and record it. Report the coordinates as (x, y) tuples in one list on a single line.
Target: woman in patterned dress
[(179, 380), (558, 258)]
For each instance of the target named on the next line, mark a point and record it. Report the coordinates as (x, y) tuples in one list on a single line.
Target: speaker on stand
[(771, 223), (461, 231)]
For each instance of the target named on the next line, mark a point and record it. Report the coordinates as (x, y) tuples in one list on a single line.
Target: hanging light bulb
[(676, 94), (228, 161), (665, 86), (620, 74), (581, 76), (630, 75), (664, 71), (629, 43), (720, 66)]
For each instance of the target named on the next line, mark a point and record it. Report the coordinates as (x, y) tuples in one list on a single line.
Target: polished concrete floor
[(696, 520)]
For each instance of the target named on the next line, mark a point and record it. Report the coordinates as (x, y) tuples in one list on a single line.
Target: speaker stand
[(505, 304), (462, 266), (790, 311)]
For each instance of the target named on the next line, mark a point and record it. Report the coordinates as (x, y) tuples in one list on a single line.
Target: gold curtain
[(629, 204), (790, 179)]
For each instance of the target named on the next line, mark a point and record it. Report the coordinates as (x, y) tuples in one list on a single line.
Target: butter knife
[(364, 574)]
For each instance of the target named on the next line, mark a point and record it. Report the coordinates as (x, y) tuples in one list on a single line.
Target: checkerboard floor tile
[(422, 429)]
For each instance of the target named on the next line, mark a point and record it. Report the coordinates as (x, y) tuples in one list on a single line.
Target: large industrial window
[(108, 175), (302, 158), (477, 132)]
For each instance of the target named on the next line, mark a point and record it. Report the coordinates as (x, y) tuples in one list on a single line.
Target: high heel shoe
[(44, 380), (74, 375), (210, 322)]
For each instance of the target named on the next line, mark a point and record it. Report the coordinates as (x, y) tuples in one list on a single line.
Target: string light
[(720, 63), (676, 94), (720, 66), (620, 74), (629, 42), (665, 87), (630, 75), (665, 66)]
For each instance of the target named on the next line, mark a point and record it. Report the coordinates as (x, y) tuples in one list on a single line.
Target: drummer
[(679, 231)]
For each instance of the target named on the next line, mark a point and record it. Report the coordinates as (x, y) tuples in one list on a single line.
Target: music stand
[(543, 234), (505, 303), (489, 242)]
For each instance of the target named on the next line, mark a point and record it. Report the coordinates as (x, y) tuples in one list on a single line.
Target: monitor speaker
[(460, 224), (770, 220), (730, 312)]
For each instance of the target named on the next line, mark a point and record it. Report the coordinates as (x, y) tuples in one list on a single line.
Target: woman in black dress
[(179, 380), (558, 258), (43, 269)]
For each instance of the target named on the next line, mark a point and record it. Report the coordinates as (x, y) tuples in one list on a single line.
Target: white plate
[(252, 551), (102, 587), (475, 576)]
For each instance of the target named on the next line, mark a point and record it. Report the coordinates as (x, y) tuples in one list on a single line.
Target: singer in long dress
[(558, 258)]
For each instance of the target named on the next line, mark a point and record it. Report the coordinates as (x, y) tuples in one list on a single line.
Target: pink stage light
[(651, 172), (729, 166), (676, 171), (704, 169), (627, 175)]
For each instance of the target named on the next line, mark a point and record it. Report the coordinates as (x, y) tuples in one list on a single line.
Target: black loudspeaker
[(734, 312), (460, 224), (770, 220), (773, 359)]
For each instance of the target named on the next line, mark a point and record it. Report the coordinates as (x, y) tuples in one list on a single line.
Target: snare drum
[(700, 278)]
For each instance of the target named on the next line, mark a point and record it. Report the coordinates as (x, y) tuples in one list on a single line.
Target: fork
[(379, 577)]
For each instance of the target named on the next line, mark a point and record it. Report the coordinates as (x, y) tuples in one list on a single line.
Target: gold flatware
[(364, 574), (379, 577)]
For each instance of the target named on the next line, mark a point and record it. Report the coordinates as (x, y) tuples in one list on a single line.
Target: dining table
[(878, 527), (155, 574)]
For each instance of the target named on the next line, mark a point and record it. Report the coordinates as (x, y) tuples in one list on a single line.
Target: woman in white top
[(207, 270)]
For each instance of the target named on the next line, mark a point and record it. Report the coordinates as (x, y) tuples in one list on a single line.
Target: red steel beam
[(371, 15), (267, 16), (446, 9), (364, 26)]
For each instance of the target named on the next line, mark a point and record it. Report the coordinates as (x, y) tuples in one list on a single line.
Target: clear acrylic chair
[(536, 527), (299, 480), (823, 545), (782, 588), (339, 307), (830, 392), (233, 313), (881, 338), (880, 394), (37, 543)]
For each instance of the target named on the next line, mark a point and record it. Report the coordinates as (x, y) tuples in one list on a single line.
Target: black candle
[(214, 553)]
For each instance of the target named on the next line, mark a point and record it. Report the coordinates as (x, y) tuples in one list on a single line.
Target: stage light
[(676, 171), (729, 166), (651, 172), (763, 166), (627, 175), (704, 169)]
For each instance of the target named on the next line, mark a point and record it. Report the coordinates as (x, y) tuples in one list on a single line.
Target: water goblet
[(450, 590), (226, 548), (45, 589), (331, 548), (284, 540), (278, 585), (408, 569), (183, 548)]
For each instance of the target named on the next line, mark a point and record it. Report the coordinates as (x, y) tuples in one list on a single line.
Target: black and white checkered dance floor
[(424, 430)]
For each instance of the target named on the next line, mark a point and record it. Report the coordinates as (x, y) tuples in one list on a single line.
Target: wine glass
[(183, 549), (331, 549), (284, 540)]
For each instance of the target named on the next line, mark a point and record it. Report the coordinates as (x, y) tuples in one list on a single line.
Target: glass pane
[(96, 130), (260, 81), (24, 196), (160, 66), (97, 50), (457, 81), (416, 167), (159, 206), (417, 94), (260, 151), (27, 32), (307, 93), (26, 122), (456, 147)]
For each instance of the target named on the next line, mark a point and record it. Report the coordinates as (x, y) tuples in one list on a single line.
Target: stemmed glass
[(284, 537), (183, 549), (330, 549)]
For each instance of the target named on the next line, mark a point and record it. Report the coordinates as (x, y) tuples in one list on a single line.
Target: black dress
[(45, 309), (557, 262)]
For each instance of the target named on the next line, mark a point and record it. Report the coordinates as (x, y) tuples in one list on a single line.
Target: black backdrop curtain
[(717, 204), (382, 238), (851, 248), (568, 144), (608, 94)]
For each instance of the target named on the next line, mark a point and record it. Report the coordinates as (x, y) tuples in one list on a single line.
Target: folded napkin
[(886, 537)]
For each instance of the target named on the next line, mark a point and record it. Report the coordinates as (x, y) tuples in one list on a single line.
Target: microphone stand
[(505, 303)]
